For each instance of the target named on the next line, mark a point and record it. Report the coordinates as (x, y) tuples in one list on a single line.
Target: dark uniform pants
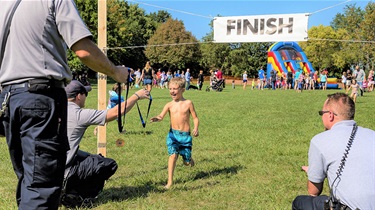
[(306, 202), (36, 132)]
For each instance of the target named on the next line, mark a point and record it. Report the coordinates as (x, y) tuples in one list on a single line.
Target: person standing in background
[(244, 80), (343, 80), (200, 79), (262, 78), (359, 76), (137, 77), (147, 76), (187, 79)]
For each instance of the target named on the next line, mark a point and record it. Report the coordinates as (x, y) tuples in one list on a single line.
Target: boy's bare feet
[(168, 186), (191, 163)]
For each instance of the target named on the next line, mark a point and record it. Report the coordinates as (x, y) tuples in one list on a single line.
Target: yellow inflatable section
[(330, 80)]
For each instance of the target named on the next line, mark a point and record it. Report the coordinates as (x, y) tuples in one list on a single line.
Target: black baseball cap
[(75, 87)]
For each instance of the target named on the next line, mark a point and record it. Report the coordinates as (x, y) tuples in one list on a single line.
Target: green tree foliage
[(214, 55), (347, 42), (125, 28), (320, 51), (172, 46), (368, 33), (128, 29), (350, 21), (248, 57)]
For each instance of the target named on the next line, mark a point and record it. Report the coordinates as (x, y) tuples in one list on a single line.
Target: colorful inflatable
[(331, 83), (287, 56)]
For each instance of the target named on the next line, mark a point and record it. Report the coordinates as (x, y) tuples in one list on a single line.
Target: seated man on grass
[(85, 173)]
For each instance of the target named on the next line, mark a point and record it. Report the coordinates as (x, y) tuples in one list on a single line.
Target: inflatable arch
[(287, 56)]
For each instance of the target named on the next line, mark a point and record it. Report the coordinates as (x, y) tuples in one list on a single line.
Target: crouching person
[(85, 173)]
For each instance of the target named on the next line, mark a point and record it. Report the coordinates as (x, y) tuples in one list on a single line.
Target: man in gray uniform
[(33, 72), (85, 173), (352, 185)]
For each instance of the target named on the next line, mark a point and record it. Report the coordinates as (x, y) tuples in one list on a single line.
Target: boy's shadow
[(232, 170), (116, 194)]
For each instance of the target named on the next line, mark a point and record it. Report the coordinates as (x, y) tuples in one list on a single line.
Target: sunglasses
[(321, 112)]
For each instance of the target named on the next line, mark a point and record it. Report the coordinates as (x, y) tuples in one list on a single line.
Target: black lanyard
[(148, 111), (119, 123)]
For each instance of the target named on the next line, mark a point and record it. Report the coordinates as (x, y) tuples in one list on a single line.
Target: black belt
[(51, 83)]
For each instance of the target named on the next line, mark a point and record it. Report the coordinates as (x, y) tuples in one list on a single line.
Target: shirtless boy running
[(179, 140)]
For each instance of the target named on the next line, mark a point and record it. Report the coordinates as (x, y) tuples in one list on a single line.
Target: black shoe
[(71, 200)]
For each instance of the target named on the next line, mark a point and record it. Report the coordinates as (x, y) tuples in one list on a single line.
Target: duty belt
[(51, 83), (28, 84)]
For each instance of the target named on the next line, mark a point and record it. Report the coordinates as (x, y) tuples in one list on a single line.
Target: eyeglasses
[(321, 112)]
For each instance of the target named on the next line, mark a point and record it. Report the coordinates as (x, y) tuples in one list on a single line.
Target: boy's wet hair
[(179, 81)]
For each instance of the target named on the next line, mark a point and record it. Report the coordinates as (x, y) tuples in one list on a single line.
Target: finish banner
[(261, 28)]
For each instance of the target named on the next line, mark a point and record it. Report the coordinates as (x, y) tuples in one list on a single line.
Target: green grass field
[(248, 156)]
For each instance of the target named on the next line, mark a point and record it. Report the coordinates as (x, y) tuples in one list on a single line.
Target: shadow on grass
[(116, 194), (232, 170), (227, 171), (143, 132)]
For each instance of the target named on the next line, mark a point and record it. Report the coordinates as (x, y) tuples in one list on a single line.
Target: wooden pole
[(102, 78)]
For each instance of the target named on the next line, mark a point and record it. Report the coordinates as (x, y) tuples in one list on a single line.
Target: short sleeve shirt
[(40, 33), (360, 75), (261, 74), (78, 121), (356, 186), (187, 77)]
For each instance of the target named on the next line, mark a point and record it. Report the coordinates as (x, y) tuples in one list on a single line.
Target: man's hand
[(305, 168), (121, 74), (142, 94)]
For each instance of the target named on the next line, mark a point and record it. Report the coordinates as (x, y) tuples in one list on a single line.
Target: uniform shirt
[(40, 33), (356, 188), (78, 121)]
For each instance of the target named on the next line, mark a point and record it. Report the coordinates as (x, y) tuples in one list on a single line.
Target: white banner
[(261, 28)]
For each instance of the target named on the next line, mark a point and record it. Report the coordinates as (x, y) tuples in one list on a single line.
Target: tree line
[(135, 37)]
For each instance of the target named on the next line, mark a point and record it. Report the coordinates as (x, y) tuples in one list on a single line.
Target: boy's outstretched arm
[(195, 120), (161, 115)]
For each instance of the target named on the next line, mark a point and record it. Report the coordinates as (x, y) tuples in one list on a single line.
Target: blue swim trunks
[(180, 143)]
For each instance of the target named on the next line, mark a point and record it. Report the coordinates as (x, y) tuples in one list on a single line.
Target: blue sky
[(197, 15)]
